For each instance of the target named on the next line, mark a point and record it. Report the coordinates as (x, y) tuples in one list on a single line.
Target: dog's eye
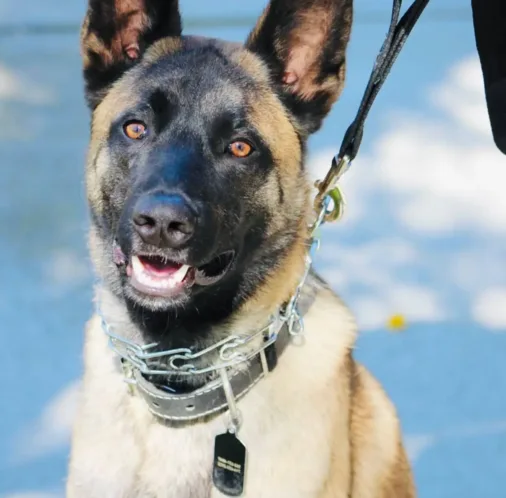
[(135, 130), (240, 149)]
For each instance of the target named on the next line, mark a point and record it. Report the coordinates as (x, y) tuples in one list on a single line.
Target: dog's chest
[(176, 463)]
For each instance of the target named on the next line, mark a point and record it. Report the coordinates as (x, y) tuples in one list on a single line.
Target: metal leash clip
[(328, 190)]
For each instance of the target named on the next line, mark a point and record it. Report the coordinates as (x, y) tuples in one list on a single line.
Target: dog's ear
[(304, 43), (114, 35)]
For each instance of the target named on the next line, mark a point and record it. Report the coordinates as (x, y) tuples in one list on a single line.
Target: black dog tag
[(229, 464)]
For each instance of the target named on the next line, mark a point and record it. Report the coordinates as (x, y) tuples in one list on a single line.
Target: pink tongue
[(159, 266)]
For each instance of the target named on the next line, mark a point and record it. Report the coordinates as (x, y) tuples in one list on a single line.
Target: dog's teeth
[(180, 274), (141, 275), (137, 266)]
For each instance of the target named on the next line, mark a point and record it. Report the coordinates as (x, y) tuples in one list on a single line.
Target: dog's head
[(195, 177)]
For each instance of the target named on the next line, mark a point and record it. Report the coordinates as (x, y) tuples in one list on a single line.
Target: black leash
[(397, 35)]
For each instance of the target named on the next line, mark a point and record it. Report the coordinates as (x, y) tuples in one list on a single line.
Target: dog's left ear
[(304, 43)]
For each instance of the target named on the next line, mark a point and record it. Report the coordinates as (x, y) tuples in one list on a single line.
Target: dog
[(218, 363)]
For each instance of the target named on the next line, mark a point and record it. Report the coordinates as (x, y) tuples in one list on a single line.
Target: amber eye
[(135, 130), (240, 149)]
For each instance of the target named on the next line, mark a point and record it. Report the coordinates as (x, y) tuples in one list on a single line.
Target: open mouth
[(158, 276)]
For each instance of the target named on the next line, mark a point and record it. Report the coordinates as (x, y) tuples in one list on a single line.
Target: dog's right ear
[(115, 34)]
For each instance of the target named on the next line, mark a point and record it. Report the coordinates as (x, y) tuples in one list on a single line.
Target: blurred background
[(424, 238)]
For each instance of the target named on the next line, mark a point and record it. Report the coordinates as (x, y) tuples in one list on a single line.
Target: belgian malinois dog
[(198, 379)]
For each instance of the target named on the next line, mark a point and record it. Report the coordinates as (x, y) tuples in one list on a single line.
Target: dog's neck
[(192, 330)]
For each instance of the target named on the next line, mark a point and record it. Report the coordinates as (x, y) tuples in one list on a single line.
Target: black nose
[(164, 220)]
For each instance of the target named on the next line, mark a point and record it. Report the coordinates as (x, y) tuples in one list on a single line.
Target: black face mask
[(489, 18)]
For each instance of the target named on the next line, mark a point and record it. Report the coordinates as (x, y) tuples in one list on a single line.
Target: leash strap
[(397, 35)]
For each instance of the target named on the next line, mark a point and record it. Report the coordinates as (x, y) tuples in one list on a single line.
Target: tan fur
[(119, 98), (373, 451), (162, 48), (269, 116), (280, 284)]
